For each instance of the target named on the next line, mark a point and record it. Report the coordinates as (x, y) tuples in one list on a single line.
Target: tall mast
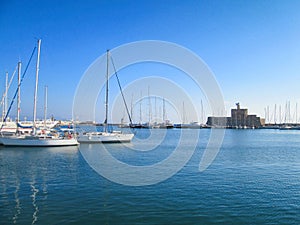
[(202, 113), (150, 107), (36, 83), (6, 91), (5, 96), (164, 110), (155, 110), (289, 109), (4, 103), (296, 113), (19, 92), (285, 113), (280, 119), (131, 107), (45, 105), (106, 94), (141, 109), (275, 114), (269, 120), (183, 113)]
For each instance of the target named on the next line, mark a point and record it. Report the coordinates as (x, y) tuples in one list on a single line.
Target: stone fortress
[(239, 119)]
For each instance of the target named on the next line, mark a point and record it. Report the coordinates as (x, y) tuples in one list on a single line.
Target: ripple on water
[(253, 180)]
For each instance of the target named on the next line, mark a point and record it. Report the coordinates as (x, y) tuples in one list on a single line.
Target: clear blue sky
[(252, 47)]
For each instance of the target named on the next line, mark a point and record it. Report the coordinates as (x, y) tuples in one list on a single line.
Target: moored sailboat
[(105, 136), (38, 141), (44, 139)]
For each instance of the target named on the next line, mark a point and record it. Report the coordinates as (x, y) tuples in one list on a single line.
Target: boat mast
[(106, 94), (6, 90), (141, 109), (36, 84), (155, 110), (289, 112), (296, 113), (150, 107), (45, 105), (131, 107), (275, 114), (4, 100), (164, 111), (183, 113), (202, 113), (268, 110), (19, 92), (280, 118)]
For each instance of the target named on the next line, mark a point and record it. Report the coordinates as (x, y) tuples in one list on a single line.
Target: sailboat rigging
[(106, 136)]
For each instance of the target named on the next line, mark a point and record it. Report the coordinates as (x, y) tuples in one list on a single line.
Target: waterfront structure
[(239, 116), (218, 121), (239, 119)]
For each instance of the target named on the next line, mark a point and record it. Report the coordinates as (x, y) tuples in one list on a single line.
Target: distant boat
[(136, 125), (192, 125), (105, 137), (166, 125), (285, 127), (45, 139), (49, 124)]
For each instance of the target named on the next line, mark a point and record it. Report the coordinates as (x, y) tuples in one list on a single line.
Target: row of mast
[(7, 85), (280, 115)]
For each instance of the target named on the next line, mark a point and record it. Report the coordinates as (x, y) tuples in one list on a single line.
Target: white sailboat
[(38, 140), (105, 137)]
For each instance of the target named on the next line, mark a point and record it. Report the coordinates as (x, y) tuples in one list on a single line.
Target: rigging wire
[(121, 91), (8, 86), (15, 95)]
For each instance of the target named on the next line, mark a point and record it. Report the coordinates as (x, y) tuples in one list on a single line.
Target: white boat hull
[(37, 142), (104, 137)]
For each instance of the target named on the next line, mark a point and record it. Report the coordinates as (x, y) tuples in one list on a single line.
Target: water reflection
[(254, 180), (34, 202), (17, 201), (26, 174)]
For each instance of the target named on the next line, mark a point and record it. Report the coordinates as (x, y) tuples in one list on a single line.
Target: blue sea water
[(255, 179)]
